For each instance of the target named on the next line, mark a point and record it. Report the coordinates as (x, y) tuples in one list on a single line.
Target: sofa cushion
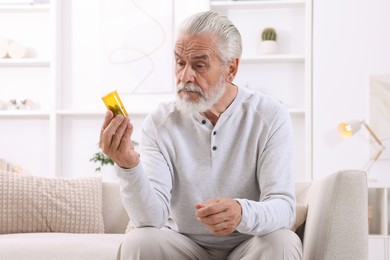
[(301, 213), (59, 246), (41, 204)]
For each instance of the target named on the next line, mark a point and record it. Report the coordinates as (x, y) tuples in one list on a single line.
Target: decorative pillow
[(41, 204), (301, 212)]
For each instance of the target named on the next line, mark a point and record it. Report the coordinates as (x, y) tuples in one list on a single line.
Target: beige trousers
[(165, 244)]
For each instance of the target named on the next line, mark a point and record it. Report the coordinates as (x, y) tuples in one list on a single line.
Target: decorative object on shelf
[(15, 104), (16, 50), (11, 49), (9, 167), (102, 159), (351, 128), (268, 41), (3, 47)]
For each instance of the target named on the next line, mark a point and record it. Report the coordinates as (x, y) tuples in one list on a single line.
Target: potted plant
[(101, 159), (268, 41)]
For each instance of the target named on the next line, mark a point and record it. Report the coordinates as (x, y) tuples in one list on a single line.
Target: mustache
[(189, 87)]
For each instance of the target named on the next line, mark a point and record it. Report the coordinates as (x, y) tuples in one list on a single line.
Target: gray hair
[(229, 38)]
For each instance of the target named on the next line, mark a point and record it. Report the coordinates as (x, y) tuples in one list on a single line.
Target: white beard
[(205, 101)]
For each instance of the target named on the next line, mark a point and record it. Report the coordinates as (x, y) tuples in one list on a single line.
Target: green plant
[(268, 34), (102, 159)]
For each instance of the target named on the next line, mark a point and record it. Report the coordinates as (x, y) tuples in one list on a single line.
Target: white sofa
[(336, 227)]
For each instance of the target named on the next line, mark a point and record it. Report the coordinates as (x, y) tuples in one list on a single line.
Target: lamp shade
[(350, 128)]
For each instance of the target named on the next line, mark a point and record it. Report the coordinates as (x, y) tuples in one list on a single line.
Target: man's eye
[(199, 65), (180, 63)]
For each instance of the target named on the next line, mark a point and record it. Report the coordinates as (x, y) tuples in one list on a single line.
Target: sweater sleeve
[(146, 188), (276, 206)]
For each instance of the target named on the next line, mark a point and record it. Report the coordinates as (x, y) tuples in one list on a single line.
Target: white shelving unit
[(285, 75), (26, 134), (379, 220), (61, 137)]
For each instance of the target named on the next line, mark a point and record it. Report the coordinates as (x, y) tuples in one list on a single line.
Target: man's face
[(200, 75)]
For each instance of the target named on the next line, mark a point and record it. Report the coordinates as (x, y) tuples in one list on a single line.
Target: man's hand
[(115, 140), (220, 216)]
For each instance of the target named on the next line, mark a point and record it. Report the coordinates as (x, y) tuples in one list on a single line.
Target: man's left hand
[(220, 215)]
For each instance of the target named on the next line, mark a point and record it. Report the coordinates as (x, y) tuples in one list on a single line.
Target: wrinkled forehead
[(190, 46)]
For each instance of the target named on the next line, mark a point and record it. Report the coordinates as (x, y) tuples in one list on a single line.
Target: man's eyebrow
[(198, 57), (201, 57)]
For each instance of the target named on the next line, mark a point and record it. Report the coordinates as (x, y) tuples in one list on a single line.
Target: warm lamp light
[(351, 128)]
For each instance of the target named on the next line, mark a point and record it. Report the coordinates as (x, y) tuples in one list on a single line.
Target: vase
[(268, 47)]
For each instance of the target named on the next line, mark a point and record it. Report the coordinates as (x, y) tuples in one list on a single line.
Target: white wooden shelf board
[(24, 63), (274, 58), (24, 8), (255, 4)]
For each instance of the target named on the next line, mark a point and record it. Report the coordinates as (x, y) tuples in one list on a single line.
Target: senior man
[(215, 178)]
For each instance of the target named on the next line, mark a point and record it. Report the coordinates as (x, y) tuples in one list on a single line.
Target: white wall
[(351, 42)]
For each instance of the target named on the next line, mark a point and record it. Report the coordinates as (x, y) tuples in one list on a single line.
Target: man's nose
[(187, 75)]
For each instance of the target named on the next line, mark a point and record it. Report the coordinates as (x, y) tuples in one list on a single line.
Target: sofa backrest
[(301, 189), (114, 214)]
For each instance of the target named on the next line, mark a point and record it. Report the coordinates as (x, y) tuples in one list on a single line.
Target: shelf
[(24, 113), (24, 63), (255, 4), (24, 8), (273, 58)]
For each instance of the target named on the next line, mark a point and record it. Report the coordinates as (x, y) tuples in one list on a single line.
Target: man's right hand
[(115, 140)]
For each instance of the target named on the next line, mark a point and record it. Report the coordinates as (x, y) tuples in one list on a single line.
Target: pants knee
[(141, 243), (281, 244), (284, 241)]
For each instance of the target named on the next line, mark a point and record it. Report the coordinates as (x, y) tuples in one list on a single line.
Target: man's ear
[(232, 68)]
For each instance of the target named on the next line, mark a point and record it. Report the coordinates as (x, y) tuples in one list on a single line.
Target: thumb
[(199, 205)]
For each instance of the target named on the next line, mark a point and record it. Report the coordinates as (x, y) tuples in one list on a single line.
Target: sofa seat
[(59, 246)]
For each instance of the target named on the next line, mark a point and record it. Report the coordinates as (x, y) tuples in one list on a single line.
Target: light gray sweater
[(247, 155)]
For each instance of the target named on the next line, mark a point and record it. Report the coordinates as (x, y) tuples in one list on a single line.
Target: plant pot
[(268, 47)]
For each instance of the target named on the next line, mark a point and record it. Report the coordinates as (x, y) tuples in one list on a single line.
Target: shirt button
[(203, 121), (214, 133), (214, 148)]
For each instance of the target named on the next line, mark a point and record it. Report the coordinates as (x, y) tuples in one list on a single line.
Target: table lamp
[(350, 128)]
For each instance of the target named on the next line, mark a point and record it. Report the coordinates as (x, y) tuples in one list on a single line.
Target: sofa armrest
[(114, 214), (337, 224)]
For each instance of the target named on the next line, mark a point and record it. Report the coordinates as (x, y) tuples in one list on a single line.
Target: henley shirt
[(184, 160)]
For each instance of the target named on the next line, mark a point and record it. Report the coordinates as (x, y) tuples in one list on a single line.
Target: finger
[(107, 119), (118, 135), (126, 142), (109, 132), (221, 229), (199, 205), (213, 219), (211, 209)]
